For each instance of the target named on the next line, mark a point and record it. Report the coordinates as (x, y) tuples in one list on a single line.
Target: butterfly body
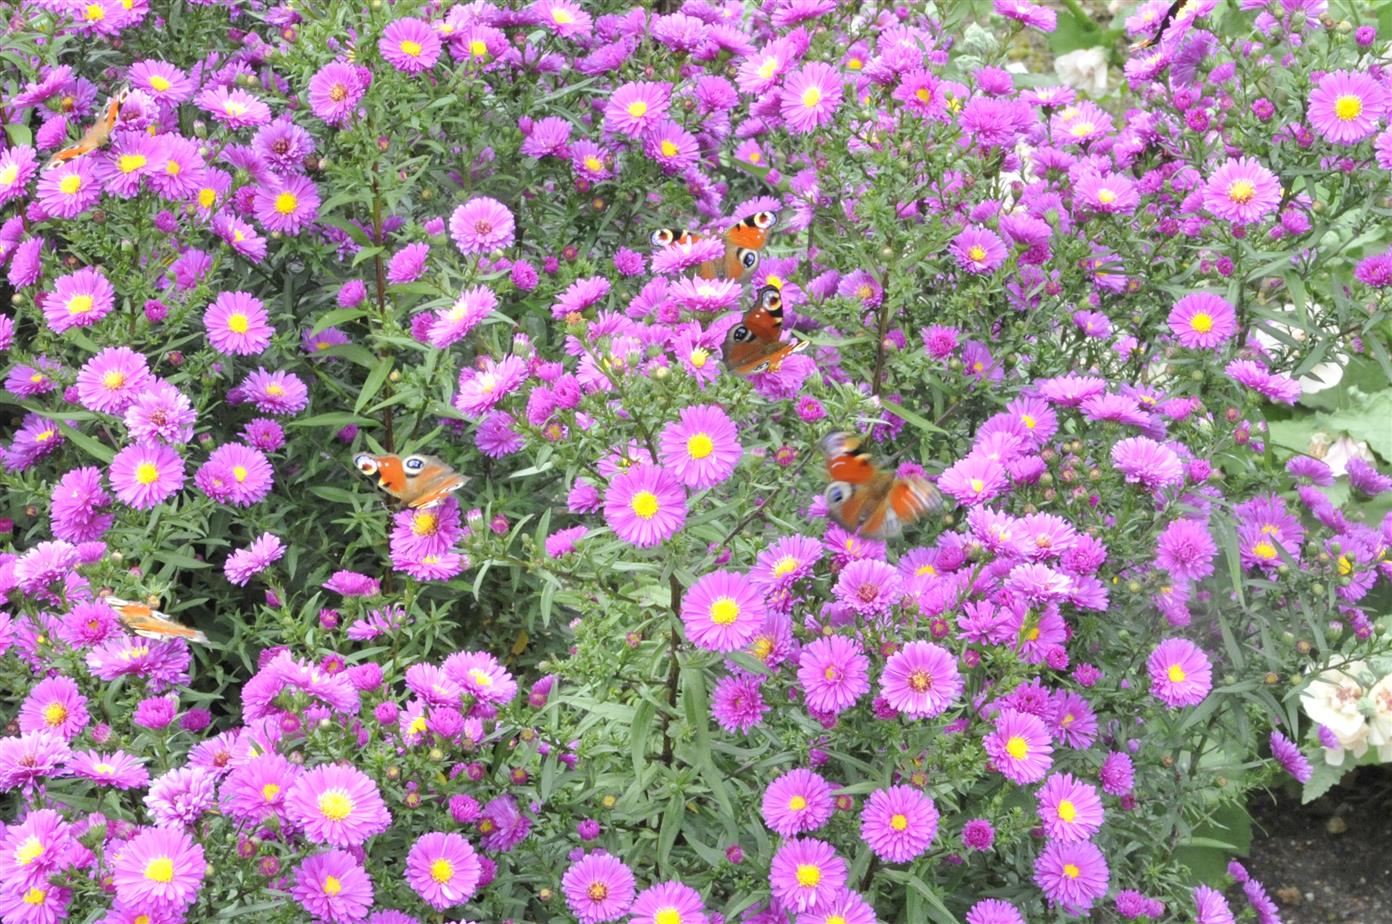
[(743, 243), (417, 481), (756, 343), (144, 620), (96, 136), (867, 500)]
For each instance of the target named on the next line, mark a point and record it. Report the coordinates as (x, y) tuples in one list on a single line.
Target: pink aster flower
[(1072, 875), (978, 250), (722, 611), (287, 204), (1346, 106), (1287, 754), (410, 45), (1020, 747), (635, 107), (69, 189), (598, 888), (1202, 320), (443, 869), (254, 791), (1069, 809), (335, 91), (17, 167), (333, 886), (468, 311), (35, 849), (994, 910), (702, 447), (245, 563), (810, 97), (737, 703), (237, 324), (645, 505), (797, 802), (482, 388), (1186, 550), (78, 506), (921, 680), (160, 412), (1242, 191), (117, 769), (279, 392), (834, 672), (337, 804), (146, 474), (975, 480), (1147, 463), (408, 263), (79, 299), (668, 903), (108, 382), (898, 823), (234, 107), (481, 225), (806, 874), (54, 704), (159, 866), (1180, 673), (235, 474), (869, 587), (27, 758)]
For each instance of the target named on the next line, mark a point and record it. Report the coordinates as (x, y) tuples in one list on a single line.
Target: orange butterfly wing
[(755, 344), (417, 481), (864, 499), (148, 622), (96, 135)]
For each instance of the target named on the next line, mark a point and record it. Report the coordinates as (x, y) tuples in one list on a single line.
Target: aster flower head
[(54, 704), (279, 392), (921, 680), (243, 564), (806, 874), (443, 869), (810, 97), (1242, 191), (645, 505), (109, 382), (1180, 673), (160, 412), (1210, 907), (146, 474), (335, 91), (410, 45), (797, 802), (1202, 320), (159, 866), (1145, 462), (1073, 875), (1069, 809), (1287, 754), (834, 672), (287, 204), (722, 611), (333, 886), (1346, 106), (598, 888), (235, 474), (869, 587), (668, 903), (737, 703), (634, 108), (337, 804), (994, 910), (978, 250), (79, 299), (481, 225), (1020, 747), (237, 324), (702, 447), (898, 823), (1186, 550)]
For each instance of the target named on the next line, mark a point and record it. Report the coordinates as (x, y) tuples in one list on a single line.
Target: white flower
[(1337, 454), (1332, 698), (1084, 69), (1380, 723)]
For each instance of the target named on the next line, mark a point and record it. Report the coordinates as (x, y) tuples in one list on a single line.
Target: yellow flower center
[(81, 304), (275, 391), (699, 446), (332, 886), (29, 851), (1071, 870), (1348, 107), (899, 822), (755, 157), (926, 569), (1066, 810), (1106, 196), (146, 473), (95, 12), (286, 203), (797, 803), (809, 875), (478, 48), (206, 197), (1017, 747), (9, 175), (160, 869), (239, 472), (172, 168), (724, 611), (104, 768), (644, 503), (70, 184), (593, 163), (55, 714), (335, 805), (1345, 566), (35, 896), (811, 97), (977, 253), (1264, 550), (597, 891), (129, 163), (1241, 191), (699, 356), (977, 484), (238, 323), (1201, 323), (442, 870), (637, 108), (785, 566), (924, 95), (667, 915), (235, 107), (1081, 129), (411, 48), (668, 148), (768, 68), (270, 791), (424, 524), (1176, 674), (920, 681), (159, 84)]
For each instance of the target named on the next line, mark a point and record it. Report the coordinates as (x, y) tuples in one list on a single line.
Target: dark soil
[(1329, 861)]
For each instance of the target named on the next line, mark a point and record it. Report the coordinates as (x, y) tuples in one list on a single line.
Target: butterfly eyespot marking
[(662, 237), (366, 464), (838, 492), (762, 367), (742, 334), (413, 464), (764, 220), (748, 258)]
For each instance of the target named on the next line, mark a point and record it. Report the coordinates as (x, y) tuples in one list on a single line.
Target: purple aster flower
[(481, 225), (898, 823), (645, 505), (1288, 755), (333, 886), (921, 679), (443, 869), (79, 299), (237, 324), (598, 888), (408, 263), (160, 412), (161, 867), (1180, 673), (797, 802), (834, 672), (335, 91), (1072, 875), (109, 382), (410, 45), (146, 474), (1020, 747), (806, 874), (243, 564)]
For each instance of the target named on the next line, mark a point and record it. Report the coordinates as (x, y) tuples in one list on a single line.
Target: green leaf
[(336, 419), (375, 380), (19, 134), (97, 450), (337, 316)]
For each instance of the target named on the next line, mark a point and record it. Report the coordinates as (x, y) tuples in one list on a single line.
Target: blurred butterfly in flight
[(146, 621), (868, 500), (417, 481), (743, 243)]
